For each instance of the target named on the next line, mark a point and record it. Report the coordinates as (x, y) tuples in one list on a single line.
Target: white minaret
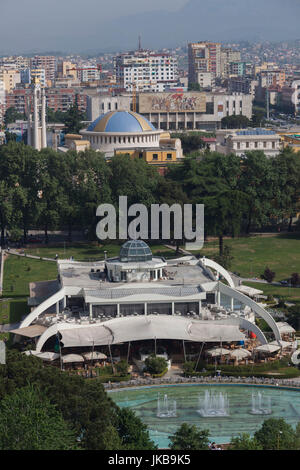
[(36, 140), (29, 123), (43, 119)]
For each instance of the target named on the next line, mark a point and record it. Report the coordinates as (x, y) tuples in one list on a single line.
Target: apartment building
[(47, 63), (228, 56), (145, 71), (10, 78), (204, 57), (58, 99)]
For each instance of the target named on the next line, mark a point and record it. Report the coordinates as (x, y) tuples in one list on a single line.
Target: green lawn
[(290, 294), (281, 253), (19, 272), (90, 251), (12, 310)]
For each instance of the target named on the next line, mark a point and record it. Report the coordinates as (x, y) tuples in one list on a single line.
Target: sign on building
[(172, 102)]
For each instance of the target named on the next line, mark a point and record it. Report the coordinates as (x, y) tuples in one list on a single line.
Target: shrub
[(122, 368), (268, 275), (155, 365)]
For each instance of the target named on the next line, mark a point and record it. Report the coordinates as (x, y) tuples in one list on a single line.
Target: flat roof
[(180, 271)]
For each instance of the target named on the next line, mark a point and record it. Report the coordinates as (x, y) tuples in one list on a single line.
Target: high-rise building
[(48, 63), (10, 78), (204, 57), (228, 56), (145, 71)]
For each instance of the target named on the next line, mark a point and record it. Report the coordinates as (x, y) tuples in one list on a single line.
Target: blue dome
[(121, 121)]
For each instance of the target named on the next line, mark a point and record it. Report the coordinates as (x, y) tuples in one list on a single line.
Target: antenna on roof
[(140, 43)]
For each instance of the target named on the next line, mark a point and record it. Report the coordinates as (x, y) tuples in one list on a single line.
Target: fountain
[(259, 405), (163, 409), (213, 405)]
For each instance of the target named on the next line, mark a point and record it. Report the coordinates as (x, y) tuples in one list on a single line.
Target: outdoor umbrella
[(240, 353), (68, 358), (217, 352), (94, 355), (283, 344), (267, 348)]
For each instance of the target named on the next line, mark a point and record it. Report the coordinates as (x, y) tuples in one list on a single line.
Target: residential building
[(38, 76), (48, 63), (228, 56), (245, 85), (145, 71), (204, 57), (10, 78), (290, 96)]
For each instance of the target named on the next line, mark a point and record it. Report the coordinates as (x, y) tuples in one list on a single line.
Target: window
[(155, 156), (169, 156), (247, 145)]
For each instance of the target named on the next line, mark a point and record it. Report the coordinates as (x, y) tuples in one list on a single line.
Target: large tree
[(276, 434), (133, 433), (28, 421), (188, 437)]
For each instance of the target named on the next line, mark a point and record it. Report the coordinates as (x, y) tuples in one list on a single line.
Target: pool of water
[(241, 400)]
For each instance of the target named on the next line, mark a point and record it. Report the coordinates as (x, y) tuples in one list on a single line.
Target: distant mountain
[(220, 20), (83, 29)]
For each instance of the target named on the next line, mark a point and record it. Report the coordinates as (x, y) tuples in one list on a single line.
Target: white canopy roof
[(249, 290), (30, 331), (267, 348), (45, 356), (125, 329), (240, 353)]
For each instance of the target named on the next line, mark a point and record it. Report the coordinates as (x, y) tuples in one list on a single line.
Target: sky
[(38, 24), (28, 26)]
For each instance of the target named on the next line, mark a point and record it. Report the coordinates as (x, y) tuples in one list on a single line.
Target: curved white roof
[(125, 329)]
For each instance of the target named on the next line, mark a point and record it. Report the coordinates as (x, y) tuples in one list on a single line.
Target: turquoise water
[(284, 404)]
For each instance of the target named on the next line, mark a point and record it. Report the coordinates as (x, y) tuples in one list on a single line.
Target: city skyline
[(39, 27)]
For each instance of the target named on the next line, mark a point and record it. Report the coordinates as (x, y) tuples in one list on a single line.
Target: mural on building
[(172, 102)]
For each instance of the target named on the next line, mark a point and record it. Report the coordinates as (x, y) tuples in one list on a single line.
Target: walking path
[(25, 255), (294, 383)]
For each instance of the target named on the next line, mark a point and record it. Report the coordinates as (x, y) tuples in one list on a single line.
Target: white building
[(146, 70), (241, 141), (192, 110), (102, 103), (139, 297)]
